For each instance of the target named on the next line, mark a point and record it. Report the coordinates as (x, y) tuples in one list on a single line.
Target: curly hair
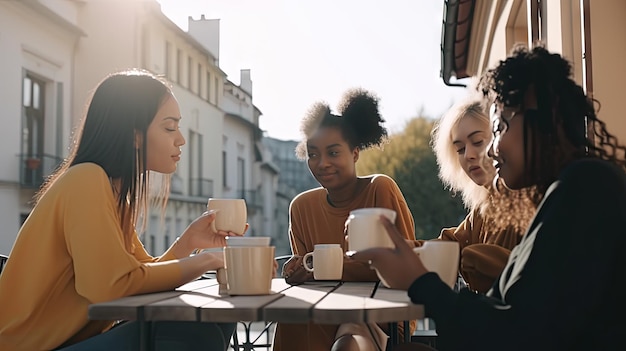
[(359, 120), (564, 124)]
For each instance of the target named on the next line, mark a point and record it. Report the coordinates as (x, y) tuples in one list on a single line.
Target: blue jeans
[(165, 336)]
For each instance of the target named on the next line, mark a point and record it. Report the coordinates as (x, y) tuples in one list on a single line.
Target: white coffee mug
[(327, 262), (249, 269), (231, 215), (441, 257), (248, 241), (365, 230), (239, 241)]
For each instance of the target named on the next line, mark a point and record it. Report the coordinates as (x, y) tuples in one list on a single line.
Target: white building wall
[(207, 32), (237, 145), (32, 40), (74, 50), (241, 134), (139, 40), (207, 121)]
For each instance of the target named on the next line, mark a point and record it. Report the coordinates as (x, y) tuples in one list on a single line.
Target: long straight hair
[(119, 113)]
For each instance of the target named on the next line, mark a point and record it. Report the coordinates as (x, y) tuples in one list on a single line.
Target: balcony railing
[(35, 168), (201, 187)]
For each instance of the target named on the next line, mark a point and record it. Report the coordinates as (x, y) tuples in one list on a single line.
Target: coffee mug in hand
[(441, 257), (365, 230), (327, 262), (231, 214), (249, 269)]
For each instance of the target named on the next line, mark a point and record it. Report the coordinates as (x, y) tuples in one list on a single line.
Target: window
[(168, 64), (208, 86), (152, 245), (168, 230), (224, 173), (241, 177), (189, 73), (199, 82), (33, 125), (198, 185), (179, 66), (216, 92), (195, 154), (153, 228)]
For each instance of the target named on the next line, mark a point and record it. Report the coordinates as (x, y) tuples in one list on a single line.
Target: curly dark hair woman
[(568, 269), (359, 121), (562, 112)]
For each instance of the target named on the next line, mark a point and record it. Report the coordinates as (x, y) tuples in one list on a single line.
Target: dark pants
[(165, 336)]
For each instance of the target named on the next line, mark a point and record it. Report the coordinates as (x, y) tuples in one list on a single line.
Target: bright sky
[(300, 52)]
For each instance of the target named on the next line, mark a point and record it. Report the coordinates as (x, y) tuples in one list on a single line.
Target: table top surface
[(330, 302)]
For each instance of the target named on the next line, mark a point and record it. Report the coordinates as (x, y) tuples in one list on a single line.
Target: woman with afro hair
[(331, 145)]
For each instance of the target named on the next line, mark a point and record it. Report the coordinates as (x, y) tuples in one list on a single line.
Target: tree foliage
[(410, 161)]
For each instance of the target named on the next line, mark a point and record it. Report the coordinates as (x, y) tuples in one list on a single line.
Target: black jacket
[(562, 288)]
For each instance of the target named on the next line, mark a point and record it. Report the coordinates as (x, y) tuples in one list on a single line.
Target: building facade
[(54, 53), (294, 178), (37, 46), (589, 33)]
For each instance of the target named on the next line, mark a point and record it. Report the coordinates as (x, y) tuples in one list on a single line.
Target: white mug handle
[(304, 262)]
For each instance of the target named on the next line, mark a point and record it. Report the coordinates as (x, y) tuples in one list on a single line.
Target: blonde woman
[(498, 216)]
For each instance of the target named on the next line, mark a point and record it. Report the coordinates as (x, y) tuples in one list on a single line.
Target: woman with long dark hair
[(80, 245)]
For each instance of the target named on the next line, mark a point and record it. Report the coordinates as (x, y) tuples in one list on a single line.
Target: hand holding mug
[(365, 230), (229, 233), (200, 235), (231, 215), (294, 272), (399, 266)]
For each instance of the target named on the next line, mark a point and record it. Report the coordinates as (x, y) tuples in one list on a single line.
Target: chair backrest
[(3, 260)]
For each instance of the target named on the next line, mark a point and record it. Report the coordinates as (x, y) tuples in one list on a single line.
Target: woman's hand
[(294, 271), (224, 233), (194, 266), (399, 266), (200, 235)]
